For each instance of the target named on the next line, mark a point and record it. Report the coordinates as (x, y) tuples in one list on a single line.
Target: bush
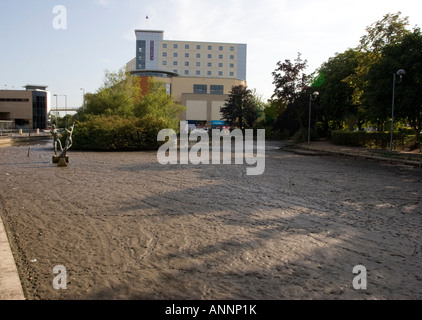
[(370, 139), (115, 133)]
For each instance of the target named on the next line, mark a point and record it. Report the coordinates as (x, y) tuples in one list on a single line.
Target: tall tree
[(292, 95), (240, 109), (335, 94), (159, 104), (290, 80), (389, 30), (117, 96), (407, 55)]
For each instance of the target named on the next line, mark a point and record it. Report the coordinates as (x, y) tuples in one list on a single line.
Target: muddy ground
[(126, 227)]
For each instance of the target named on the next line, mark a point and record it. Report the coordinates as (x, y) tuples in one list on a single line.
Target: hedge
[(114, 133), (371, 139)]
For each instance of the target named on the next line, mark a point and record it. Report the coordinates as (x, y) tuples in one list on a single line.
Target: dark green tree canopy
[(241, 109)]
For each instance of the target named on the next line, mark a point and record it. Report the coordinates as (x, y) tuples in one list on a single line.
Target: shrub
[(115, 133), (370, 139)]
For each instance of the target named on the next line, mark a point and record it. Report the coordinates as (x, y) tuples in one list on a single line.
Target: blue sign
[(218, 123)]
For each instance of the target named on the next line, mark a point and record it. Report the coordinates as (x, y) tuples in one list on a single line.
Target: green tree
[(159, 104), (290, 80), (118, 95), (241, 109), (335, 98), (407, 55), (291, 94), (390, 30)]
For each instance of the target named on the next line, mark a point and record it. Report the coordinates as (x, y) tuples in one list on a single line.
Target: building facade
[(25, 109), (199, 75)]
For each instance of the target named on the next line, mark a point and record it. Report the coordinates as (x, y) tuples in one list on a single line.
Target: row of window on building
[(198, 55), (198, 47), (198, 64), (209, 73), (203, 89)]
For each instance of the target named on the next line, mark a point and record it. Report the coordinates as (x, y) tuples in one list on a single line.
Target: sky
[(99, 35)]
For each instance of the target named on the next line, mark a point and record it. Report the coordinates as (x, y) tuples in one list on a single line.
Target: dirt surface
[(126, 227)]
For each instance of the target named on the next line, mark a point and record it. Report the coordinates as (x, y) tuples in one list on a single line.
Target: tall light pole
[(83, 99), (311, 98), (57, 125), (400, 73)]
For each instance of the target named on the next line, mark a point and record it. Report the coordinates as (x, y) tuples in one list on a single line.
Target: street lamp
[(400, 73), (57, 125), (83, 100), (65, 108), (312, 97)]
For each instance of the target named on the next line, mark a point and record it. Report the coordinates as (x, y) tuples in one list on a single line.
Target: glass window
[(200, 88), (209, 64), (217, 89), (198, 55), (231, 74), (164, 54), (164, 63), (198, 47), (175, 54), (220, 65), (175, 46), (209, 73), (231, 48), (209, 47), (220, 73), (175, 63), (186, 46), (186, 55), (220, 56), (232, 57), (231, 65), (210, 56), (186, 71), (198, 73), (187, 64), (198, 64), (221, 48), (164, 45)]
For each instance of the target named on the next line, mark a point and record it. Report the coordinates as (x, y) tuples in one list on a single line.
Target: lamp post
[(57, 125), (400, 73), (83, 99), (311, 98)]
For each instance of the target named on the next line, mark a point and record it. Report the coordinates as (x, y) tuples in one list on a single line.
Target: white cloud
[(104, 3)]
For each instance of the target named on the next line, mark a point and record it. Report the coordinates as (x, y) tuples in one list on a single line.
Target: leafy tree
[(335, 94), (241, 108), (290, 80), (390, 30), (292, 93), (407, 55), (117, 96), (159, 104)]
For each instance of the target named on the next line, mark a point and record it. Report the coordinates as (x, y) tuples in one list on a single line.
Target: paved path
[(10, 286)]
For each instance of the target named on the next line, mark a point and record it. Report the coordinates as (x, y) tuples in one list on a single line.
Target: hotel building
[(199, 75)]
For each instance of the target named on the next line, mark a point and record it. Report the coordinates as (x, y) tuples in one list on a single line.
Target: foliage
[(159, 104), (241, 108), (289, 80), (292, 96), (115, 133), (371, 139), (118, 95)]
